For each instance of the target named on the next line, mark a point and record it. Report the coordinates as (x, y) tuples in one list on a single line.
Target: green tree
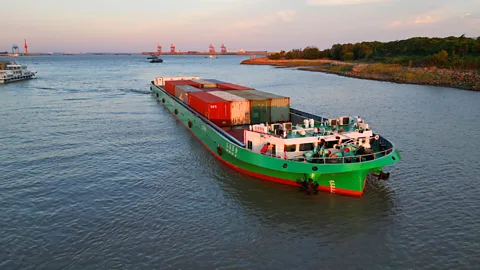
[(348, 56), (362, 51), (325, 53), (311, 53), (275, 56), (289, 56), (336, 51)]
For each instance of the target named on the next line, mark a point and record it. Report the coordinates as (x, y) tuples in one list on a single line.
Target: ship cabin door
[(274, 150)]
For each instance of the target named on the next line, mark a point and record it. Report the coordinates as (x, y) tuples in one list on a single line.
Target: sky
[(140, 25)]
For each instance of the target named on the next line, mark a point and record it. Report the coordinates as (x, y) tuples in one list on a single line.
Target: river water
[(95, 174)]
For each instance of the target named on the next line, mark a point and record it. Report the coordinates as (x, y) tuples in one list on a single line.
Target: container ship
[(257, 133)]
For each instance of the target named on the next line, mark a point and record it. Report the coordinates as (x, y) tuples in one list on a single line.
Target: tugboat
[(12, 72), (155, 59), (257, 133)]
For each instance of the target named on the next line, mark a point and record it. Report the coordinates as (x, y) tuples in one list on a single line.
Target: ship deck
[(236, 132)]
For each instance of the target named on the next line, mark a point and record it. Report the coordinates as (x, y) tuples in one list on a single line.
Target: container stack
[(170, 85), (239, 107), (229, 86), (227, 104), (182, 92)]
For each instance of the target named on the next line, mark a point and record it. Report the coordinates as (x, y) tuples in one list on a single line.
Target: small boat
[(13, 72), (212, 57), (259, 134), (155, 59)]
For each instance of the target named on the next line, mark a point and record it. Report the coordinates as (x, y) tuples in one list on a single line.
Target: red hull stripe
[(271, 178)]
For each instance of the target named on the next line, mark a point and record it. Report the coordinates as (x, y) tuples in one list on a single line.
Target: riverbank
[(462, 79)]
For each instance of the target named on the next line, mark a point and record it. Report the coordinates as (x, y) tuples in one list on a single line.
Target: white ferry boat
[(13, 72)]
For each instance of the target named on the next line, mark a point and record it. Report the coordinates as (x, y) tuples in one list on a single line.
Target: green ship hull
[(342, 178)]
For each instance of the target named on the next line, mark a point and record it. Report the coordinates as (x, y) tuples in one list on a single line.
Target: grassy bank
[(289, 63), (463, 79)]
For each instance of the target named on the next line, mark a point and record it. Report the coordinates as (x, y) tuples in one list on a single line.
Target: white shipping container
[(181, 92), (239, 107), (160, 81)]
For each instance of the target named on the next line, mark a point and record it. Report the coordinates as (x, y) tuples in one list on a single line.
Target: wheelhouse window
[(291, 148), (249, 145), (306, 147)]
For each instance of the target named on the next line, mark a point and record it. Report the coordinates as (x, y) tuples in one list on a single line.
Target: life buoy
[(175, 111), (219, 150), (189, 123), (377, 137)]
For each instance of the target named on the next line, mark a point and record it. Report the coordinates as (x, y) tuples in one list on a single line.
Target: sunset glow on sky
[(135, 26)]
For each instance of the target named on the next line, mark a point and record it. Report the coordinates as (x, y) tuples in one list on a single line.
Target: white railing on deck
[(336, 160)]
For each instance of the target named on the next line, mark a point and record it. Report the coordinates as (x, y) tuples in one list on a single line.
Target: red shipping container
[(170, 85), (213, 108), (228, 86), (212, 89)]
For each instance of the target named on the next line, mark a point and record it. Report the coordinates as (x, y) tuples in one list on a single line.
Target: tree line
[(449, 52)]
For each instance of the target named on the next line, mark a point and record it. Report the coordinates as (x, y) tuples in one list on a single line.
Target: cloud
[(430, 17), (286, 15), (279, 16), (470, 16), (340, 2), (427, 19), (395, 24)]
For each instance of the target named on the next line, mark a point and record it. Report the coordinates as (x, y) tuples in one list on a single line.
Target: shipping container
[(259, 106), (170, 85), (214, 81), (182, 91), (280, 106), (212, 89), (239, 107), (205, 84), (228, 86), (214, 108), (231, 86), (161, 80)]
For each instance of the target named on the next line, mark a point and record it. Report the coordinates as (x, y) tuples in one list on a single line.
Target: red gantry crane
[(212, 49), (26, 47), (223, 49), (172, 49)]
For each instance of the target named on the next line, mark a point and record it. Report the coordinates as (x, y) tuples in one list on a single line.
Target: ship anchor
[(382, 176)]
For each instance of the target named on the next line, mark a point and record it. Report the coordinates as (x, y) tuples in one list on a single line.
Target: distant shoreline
[(461, 79)]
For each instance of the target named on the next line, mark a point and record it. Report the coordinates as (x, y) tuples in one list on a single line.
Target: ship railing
[(343, 159), (308, 115)]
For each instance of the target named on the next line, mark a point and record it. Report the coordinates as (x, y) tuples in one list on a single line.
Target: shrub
[(275, 56)]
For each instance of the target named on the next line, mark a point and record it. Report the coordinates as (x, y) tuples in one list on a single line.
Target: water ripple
[(94, 173)]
